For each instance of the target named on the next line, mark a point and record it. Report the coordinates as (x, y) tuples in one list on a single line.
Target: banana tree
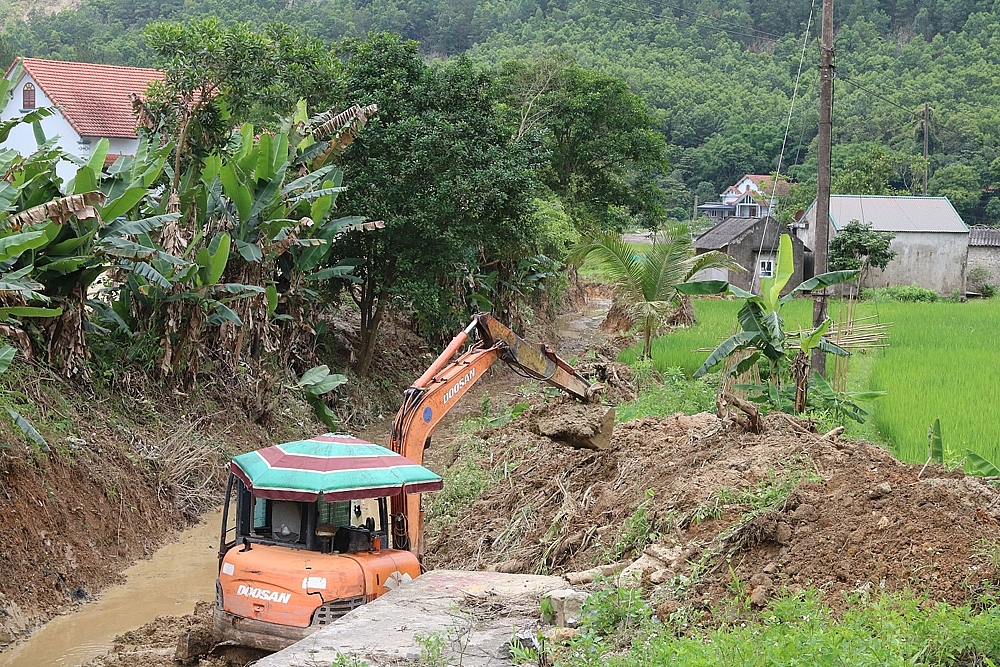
[(646, 280), (762, 327), (94, 229)]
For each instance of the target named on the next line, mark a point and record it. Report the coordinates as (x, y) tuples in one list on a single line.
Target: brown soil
[(558, 509), (156, 644)]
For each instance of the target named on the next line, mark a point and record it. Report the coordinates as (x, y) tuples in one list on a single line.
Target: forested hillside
[(719, 76)]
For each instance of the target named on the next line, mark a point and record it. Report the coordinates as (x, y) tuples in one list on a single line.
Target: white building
[(93, 103), (753, 196), (931, 240)]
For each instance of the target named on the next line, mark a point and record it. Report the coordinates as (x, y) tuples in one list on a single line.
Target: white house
[(753, 196), (93, 103), (931, 242)]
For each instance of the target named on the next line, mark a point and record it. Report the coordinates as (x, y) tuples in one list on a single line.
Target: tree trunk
[(800, 371), (369, 336), (647, 337), (67, 340)]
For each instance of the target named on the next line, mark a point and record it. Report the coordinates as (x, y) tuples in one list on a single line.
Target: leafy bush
[(979, 280), (904, 293)]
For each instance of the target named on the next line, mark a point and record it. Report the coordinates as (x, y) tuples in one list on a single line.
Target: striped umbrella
[(334, 466)]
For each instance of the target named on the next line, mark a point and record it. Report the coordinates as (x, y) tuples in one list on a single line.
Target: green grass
[(793, 631), (940, 364), (716, 322)]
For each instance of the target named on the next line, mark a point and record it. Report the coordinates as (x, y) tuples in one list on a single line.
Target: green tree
[(601, 139), (438, 167), (218, 77), (859, 247), (960, 184), (646, 280)]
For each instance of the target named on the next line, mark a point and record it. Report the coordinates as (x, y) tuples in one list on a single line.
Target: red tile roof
[(93, 98), (764, 184)]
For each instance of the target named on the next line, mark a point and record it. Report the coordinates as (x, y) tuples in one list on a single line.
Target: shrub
[(905, 293)]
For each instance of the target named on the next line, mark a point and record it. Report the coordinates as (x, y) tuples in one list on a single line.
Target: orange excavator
[(290, 563)]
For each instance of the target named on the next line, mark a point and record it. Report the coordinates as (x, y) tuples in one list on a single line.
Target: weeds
[(638, 530), (792, 631), (767, 495), (670, 393)]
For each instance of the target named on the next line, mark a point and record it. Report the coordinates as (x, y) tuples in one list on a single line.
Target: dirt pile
[(783, 508), (170, 641)]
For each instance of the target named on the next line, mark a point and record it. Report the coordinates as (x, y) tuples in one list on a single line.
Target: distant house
[(94, 103), (753, 243), (753, 196), (932, 242), (984, 252)]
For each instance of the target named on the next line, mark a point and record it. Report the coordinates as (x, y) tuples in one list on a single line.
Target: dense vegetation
[(718, 75)]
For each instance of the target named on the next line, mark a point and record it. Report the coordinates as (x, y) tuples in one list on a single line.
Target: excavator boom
[(441, 386)]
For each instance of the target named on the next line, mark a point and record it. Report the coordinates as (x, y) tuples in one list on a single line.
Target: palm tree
[(645, 281)]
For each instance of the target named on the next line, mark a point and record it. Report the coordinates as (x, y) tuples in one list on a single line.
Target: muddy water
[(169, 584)]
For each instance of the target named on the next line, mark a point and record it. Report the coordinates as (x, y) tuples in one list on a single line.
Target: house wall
[(22, 138), (933, 260), (987, 257), (748, 253)]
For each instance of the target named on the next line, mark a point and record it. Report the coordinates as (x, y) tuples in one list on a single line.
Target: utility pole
[(694, 214), (822, 237), (927, 131)]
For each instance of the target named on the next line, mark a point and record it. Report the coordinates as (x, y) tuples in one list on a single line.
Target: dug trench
[(132, 466)]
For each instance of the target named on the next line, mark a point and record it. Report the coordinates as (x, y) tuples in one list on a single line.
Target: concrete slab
[(469, 616)]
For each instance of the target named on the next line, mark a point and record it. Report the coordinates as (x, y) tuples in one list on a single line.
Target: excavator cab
[(293, 559)]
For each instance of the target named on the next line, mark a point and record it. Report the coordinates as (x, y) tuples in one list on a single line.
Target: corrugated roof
[(984, 236), (896, 214), (94, 98), (733, 229)]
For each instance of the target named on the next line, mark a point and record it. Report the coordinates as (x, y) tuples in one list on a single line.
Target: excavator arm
[(441, 386)]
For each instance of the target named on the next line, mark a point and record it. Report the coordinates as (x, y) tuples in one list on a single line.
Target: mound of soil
[(855, 519), (170, 641)]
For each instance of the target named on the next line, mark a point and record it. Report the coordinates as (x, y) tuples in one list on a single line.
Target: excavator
[(291, 563)]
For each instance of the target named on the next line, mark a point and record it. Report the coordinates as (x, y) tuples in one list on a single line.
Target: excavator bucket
[(587, 426)]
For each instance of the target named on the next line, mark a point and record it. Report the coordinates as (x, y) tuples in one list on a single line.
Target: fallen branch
[(747, 408)]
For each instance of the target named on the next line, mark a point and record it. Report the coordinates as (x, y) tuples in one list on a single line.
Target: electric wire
[(871, 92), (712, 19), (784, 143)]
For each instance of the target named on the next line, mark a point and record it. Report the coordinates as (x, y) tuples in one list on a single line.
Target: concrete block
[(565, 605)]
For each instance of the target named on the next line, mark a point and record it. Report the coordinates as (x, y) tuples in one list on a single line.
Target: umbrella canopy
[(336, 467)]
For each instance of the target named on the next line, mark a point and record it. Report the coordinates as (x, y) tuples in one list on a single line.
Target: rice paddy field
[(942, 362)]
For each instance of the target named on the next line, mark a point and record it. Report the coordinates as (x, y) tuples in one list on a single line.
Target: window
[(28, 96), (766, 268)]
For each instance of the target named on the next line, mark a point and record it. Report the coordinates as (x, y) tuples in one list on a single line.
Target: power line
[(659, 19), (713, 19), (784, 143), (876, 95)]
